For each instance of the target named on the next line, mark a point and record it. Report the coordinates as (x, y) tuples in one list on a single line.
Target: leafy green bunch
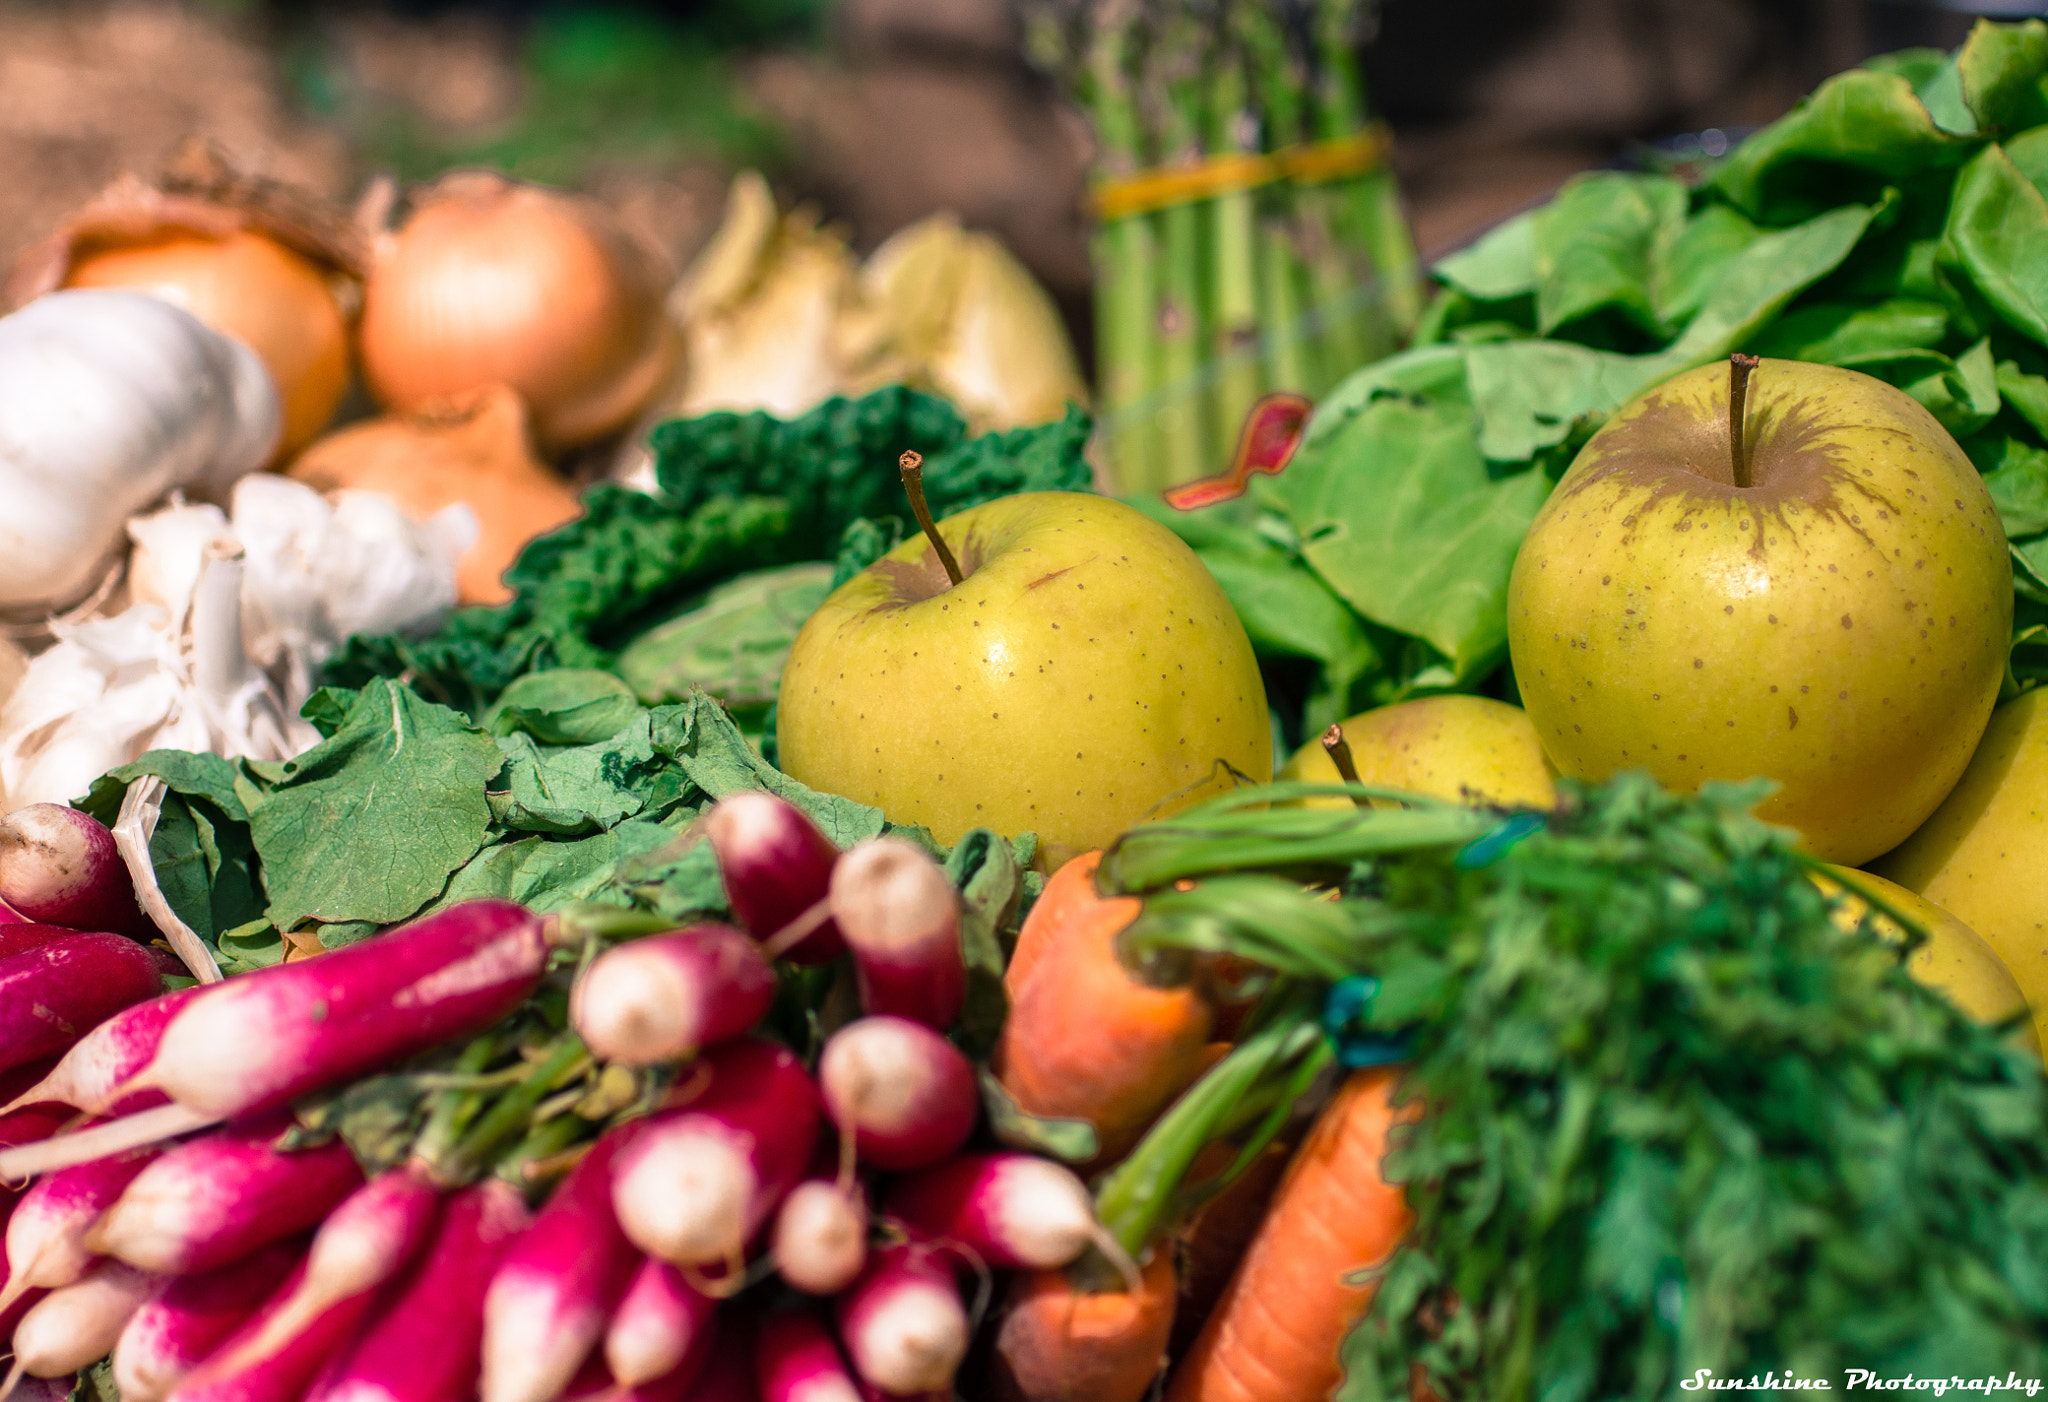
[(1895, 222), (1677, 1119)]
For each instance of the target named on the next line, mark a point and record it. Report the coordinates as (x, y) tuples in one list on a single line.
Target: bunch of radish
[(752, 1229)]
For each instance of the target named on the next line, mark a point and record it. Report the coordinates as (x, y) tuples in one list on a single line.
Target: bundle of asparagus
[(1249, 237)]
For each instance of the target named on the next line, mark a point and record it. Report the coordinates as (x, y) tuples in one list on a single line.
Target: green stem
[(1180, 322), (544, 1142), (453, 1109), (1137, 1200), (1233, 262), (1125, 259), (513, 1111), (1278, 84), (1368, 207)]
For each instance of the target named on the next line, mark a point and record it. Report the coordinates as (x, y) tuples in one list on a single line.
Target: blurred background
[(877, 112)]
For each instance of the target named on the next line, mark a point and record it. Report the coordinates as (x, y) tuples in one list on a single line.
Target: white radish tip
[(821, 1238), (1043, 1211), (633, 1006), (686, 1195), (913, 1341), (888, 894)]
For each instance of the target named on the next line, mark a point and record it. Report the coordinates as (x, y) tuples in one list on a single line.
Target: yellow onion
[(261, 263), (471, 449), (490, 281)]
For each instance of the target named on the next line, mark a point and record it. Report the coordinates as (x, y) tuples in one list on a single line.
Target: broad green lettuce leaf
[(1711, 241), (1996, 242), (568, 706), (1830, 331), (1999, 70), (1501, 264), (1597, 243), (368, 825), (1531, 395), (2029, 154), (2016, 475), (1396, 510), (1961, 392), (2027, 394), (1858, 131)]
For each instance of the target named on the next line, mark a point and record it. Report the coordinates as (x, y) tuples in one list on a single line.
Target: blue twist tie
[(1348, 1000), (1484, 851)]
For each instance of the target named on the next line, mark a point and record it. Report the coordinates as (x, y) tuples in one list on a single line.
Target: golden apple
[(1827, 606), (1085, 674), (1953, 959), (1983, 856), (1469, 749)]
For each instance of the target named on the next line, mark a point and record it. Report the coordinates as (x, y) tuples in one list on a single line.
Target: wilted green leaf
[(567, 706)]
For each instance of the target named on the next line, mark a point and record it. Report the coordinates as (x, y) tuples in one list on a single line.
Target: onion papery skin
[(274, 300), (493, 281)]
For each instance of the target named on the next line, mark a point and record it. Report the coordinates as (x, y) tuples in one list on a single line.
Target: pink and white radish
[(366, 1241), (696, 1183), (59, 866), (72, 1327), (90, 1075), (820, 1241), (47, 1231), (901, 918), (777, 868), (548, 1301), (423, 1344), (903, 1323), (659, 1320), (189, 1316), (667, 997), (1015, 1211), (52, 995), (795, 1360), (906, 1095), (256, 1042), (210, 1200)]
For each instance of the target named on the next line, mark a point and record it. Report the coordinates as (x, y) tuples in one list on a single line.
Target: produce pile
[(688, 977)]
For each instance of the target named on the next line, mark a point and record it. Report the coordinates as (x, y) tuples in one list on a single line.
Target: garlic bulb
[(230, 620), (320, 569), (108, 400)]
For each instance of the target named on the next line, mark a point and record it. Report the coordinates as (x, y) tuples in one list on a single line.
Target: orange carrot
[(1057, 1344), (1085, 1040), (1277, 1330)]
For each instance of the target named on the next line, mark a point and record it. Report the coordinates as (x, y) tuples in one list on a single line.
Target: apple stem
[(1339, 751), (1739, 368), (912, 464)]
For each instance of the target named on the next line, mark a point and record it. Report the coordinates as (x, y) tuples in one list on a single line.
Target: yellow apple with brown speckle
[(1984, 853), (1085, 674), (1468, 749), (1954, 958), (1824, 600)]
